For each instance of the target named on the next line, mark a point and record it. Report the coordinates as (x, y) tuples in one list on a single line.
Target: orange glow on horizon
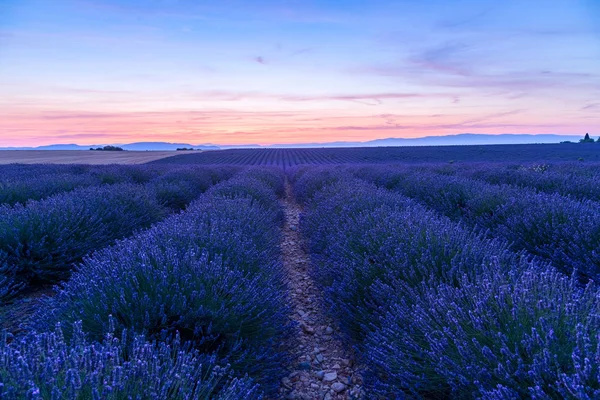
[(227, 127)]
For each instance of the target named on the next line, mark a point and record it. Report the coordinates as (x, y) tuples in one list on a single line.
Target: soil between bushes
[(324, 367)]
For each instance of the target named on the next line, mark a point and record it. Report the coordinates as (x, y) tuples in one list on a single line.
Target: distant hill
[(474, 138), (448, 140), (138, 146)]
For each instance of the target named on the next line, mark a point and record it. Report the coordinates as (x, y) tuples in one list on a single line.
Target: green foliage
[(107, 148)]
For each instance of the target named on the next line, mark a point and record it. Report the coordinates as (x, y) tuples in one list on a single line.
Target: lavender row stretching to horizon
[(286, 158), (475, 308), (449, 280)]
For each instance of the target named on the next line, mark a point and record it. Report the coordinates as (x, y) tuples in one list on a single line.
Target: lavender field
[(303, 274), (286, 158)]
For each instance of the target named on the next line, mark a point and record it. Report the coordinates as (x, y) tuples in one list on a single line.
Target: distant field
[(373, 155), (80, 157)]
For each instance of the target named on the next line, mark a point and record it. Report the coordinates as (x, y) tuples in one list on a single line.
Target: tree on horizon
[(587, 139)]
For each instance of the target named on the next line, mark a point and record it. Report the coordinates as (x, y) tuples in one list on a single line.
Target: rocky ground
[(324, 367)]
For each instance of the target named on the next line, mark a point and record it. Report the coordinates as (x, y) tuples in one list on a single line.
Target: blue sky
[(233, 72)]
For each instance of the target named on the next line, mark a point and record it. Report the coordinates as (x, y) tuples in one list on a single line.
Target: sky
[(265, 72)]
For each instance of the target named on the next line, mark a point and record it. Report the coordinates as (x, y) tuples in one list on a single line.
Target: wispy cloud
[(447, 58), (87, 135), (463, 20), (488, 117), (592, 106), (300, 51), (90, 91), (371, 99), (364, 98), (80, 116), (456, 76)]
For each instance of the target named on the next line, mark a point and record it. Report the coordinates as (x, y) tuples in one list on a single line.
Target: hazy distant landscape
[(290, 157), (462, 139)]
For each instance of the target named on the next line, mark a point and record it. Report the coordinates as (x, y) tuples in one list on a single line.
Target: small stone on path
[(304, 366), (330, 376), (308, 329), (338, 387)]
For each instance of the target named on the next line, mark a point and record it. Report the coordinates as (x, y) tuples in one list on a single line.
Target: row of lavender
[(288, 157), (20, 183), (269, 157), (192, 308), (560, 229), (438, 310), (580, 181), (41, 240)]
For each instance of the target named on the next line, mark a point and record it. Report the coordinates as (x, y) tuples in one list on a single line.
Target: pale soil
[(81, 156), (324, 366)]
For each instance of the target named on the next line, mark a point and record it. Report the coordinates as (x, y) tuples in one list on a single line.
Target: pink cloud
[(32, 127)]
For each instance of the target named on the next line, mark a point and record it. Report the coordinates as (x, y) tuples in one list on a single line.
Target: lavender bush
[(18, 184), (111, 174), (40, 242), (19, 190), (9, 287), (176, 188), (531, 334), (46, 366), (255, 186), (211, 273), (361, 234), (272, 177), (581, 182), (564, 231), (438, 311), (308, 181)]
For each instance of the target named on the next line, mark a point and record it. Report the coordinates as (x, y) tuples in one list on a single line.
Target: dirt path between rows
[(324, 367)]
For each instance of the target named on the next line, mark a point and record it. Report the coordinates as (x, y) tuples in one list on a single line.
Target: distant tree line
[(586, 139), (185, 148), (107, 148)]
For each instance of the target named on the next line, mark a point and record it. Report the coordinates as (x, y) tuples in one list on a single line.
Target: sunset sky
[(264, 72)]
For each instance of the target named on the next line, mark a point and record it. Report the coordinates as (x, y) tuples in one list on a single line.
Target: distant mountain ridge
[(137, 146), (459, 139)]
